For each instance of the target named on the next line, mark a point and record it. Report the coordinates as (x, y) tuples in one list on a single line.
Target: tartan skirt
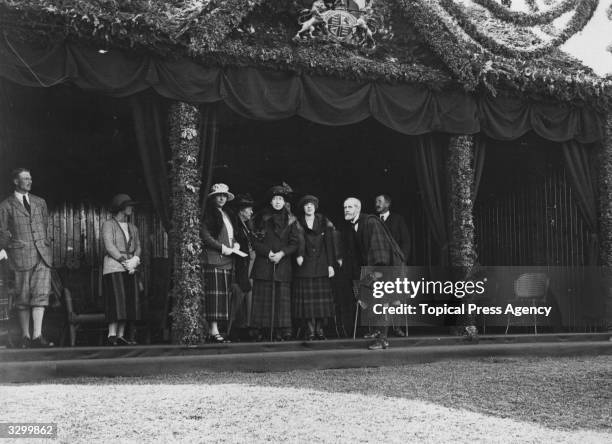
[(121, 297), (312, 298), (217, 291), (262, 304)]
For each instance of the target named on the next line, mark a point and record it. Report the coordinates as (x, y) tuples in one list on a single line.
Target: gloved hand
[(131, 264)]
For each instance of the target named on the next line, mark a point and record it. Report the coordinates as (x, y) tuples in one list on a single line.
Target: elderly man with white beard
[(367, 242)]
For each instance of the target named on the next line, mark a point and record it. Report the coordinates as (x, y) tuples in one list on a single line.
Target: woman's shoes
[(320, 336), (112, 341), (311, 336), (218, 339)]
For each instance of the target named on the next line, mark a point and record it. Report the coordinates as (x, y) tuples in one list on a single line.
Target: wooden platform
[(39, 365)]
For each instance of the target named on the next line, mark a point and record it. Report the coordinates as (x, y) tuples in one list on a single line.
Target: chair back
[(531, 286)]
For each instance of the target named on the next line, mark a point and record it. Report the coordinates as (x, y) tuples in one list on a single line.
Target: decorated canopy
[(458, 66)]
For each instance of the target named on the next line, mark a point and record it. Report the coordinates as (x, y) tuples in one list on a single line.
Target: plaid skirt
[(312, 298), (122, 300), (217, 290), (262, 304)]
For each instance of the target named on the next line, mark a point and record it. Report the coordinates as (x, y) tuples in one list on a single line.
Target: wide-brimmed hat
[(120, 201), (243, 201), (221, 188), (283, 190), (309, 198)]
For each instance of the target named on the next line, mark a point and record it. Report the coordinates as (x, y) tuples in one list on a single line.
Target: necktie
[(26, 204)]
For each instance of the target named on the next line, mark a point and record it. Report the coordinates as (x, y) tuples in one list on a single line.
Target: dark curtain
[(208, 150), (431, 177), (410, 109), (480, 145), (149, 124), (580, 165)]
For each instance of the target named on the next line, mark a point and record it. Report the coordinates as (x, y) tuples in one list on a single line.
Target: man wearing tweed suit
[(23, 234)]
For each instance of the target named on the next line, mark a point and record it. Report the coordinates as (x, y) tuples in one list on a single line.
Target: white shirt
[(19, 197), (384, 216), (228, 227), (126, 231)]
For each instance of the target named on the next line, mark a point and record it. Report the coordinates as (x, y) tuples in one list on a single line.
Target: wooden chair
[(530, 287), (75, 321)]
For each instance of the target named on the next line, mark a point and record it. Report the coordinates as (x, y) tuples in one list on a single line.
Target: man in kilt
[(218, 234), (367, 241), (23, 234)]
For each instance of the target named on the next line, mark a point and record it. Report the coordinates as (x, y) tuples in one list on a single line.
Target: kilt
[(262, 304), (217, 289), (122, 301), (33, 286), (312, 298)]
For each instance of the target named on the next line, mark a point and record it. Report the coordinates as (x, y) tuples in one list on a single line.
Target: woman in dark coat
[(312, 292), (218, 237), (276, 239)]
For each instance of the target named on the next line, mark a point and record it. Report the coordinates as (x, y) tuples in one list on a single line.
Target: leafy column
[(185, 232), (462, 251)]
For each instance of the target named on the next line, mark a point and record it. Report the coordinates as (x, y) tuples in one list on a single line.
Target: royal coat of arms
[(346, 21)]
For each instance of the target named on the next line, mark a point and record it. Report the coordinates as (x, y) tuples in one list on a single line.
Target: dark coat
[(214, 234), (371, 244), (23, 234), (268, 237), (244, 236), (318, 248), (399, 230)]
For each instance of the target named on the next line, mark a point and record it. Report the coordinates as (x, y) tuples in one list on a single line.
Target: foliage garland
[(526, 19), (583, 13), (217, 32), (461, 219), (184, 121), (605, 217), (462, 251)]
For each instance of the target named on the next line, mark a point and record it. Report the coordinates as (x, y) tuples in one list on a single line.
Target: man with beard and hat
[(367, 242)]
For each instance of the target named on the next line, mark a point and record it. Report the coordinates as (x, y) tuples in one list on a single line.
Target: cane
[(273, 299)]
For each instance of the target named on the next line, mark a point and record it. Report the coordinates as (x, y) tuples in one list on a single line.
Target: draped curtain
[(208, 150), (430, 165)]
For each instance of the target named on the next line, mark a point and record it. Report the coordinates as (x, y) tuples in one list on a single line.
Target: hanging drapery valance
[(407, 108)]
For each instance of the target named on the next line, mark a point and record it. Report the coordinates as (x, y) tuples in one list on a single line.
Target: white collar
[(384, 215), (19, 196)]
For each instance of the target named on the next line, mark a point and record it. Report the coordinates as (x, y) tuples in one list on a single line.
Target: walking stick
[(273, 299)]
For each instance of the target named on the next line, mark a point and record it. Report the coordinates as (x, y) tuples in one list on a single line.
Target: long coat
[(399, 230), (270, 238), (244, 236), (214, 234), (371, 244), (24, 235), (317, 248)]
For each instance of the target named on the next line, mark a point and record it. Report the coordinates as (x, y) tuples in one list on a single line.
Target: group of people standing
[(262, 272), (278, 264)]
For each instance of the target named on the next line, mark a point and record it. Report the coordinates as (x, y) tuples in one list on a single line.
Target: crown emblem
[(346, 21)]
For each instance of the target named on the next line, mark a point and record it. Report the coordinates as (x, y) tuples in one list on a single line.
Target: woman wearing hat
[(218, 237), (120, 286), (312, 292), (242, 295), (276, 239)]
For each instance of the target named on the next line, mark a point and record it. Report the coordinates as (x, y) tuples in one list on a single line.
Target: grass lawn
[(487, 400)]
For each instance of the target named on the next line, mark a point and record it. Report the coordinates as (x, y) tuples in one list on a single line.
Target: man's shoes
[(379, 344), (398, 332), (120, 340), (25, 342), (41, 342), (112, 341), (372, 335)]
